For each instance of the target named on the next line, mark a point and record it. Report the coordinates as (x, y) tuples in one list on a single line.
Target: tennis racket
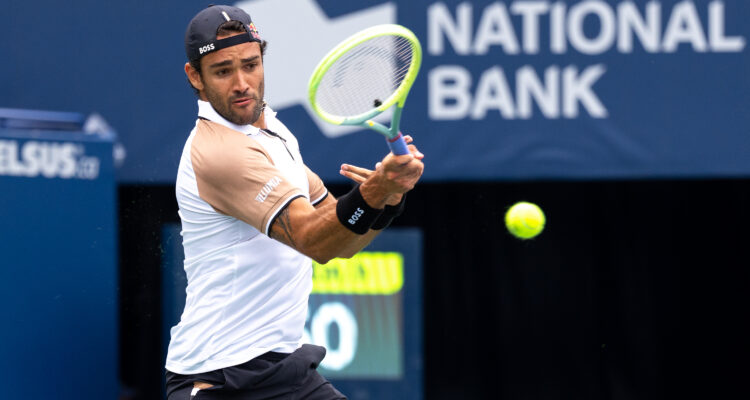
[(365, 75)]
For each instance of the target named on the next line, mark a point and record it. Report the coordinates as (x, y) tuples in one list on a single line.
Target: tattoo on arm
[(284, 231)]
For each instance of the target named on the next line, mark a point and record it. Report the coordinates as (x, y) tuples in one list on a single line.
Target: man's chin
[(243, 120), (246, 116)]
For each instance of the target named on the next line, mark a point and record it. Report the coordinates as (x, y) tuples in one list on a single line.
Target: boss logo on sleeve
[(267, 188)]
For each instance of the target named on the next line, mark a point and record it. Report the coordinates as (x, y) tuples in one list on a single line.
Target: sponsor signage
[(514, 89), (32, 159)]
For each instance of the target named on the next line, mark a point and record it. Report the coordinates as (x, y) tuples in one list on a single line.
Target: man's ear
[(193, 76)]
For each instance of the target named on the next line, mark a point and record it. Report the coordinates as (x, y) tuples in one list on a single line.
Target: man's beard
[(224, 106)]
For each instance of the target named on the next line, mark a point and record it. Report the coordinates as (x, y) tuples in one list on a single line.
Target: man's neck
[(260, 123)]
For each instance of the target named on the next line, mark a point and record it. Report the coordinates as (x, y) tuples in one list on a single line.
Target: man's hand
[(318, 233), (391, 178), (359, 175)]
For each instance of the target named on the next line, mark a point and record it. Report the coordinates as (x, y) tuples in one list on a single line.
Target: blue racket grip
[(398, 145)]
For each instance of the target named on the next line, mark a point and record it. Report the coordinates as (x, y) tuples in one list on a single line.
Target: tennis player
[(252, 217)]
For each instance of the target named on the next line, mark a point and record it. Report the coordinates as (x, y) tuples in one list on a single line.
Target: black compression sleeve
[(389, 214)]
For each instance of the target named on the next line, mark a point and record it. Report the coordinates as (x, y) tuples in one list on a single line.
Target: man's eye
[(251, 66), (222, 72)]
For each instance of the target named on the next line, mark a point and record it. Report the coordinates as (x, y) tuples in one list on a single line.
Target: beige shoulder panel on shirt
[(236, 176), (317, 188)]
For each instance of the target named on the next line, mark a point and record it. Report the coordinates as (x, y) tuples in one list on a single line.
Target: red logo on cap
[(254, 31)]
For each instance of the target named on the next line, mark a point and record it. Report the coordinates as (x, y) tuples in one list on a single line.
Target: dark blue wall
[(669, 111), (58, 257)]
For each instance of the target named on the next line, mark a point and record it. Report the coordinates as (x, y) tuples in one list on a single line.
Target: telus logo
[(48, 159)]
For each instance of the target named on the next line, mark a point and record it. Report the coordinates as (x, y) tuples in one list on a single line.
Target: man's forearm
[(342, 227), (359, 243), (317, 232), (356, 244)]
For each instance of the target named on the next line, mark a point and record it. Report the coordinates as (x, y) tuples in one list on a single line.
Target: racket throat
[(397, 137)]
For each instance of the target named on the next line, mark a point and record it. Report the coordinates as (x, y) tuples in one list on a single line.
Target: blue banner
[(516, 89), (58, 240)]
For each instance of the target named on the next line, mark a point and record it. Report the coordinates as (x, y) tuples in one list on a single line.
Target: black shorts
[(268, 376)]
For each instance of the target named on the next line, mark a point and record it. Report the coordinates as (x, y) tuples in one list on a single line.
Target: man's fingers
[(404, 167), (357, 174), (417, 154), (399, 160), (356, 170), (356, 178), (402, 171)]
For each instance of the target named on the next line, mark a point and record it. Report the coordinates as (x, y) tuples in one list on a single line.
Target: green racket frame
[(398, 97)]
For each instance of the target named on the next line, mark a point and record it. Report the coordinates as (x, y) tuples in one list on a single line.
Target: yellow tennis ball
[(524, 220)]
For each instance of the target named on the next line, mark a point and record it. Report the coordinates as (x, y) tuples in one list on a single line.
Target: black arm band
[(389, 214), (354, 213)]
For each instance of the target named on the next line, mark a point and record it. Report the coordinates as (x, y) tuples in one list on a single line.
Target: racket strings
[(365, 76)]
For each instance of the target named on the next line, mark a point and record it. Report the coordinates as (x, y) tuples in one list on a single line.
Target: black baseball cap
[(200, 37)]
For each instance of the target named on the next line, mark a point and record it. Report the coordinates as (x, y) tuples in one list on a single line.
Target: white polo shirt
[(247, 293)]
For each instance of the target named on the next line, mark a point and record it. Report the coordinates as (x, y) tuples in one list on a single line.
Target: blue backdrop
[(58, 236), (508, 90)]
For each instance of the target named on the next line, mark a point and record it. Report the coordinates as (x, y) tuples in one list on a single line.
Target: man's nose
[(241, 83)]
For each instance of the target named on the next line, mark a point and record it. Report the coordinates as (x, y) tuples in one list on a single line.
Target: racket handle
[(398, 145)]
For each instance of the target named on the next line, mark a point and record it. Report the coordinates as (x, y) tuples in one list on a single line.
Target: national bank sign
[(503, 30), (493, 34), (536, 89)]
